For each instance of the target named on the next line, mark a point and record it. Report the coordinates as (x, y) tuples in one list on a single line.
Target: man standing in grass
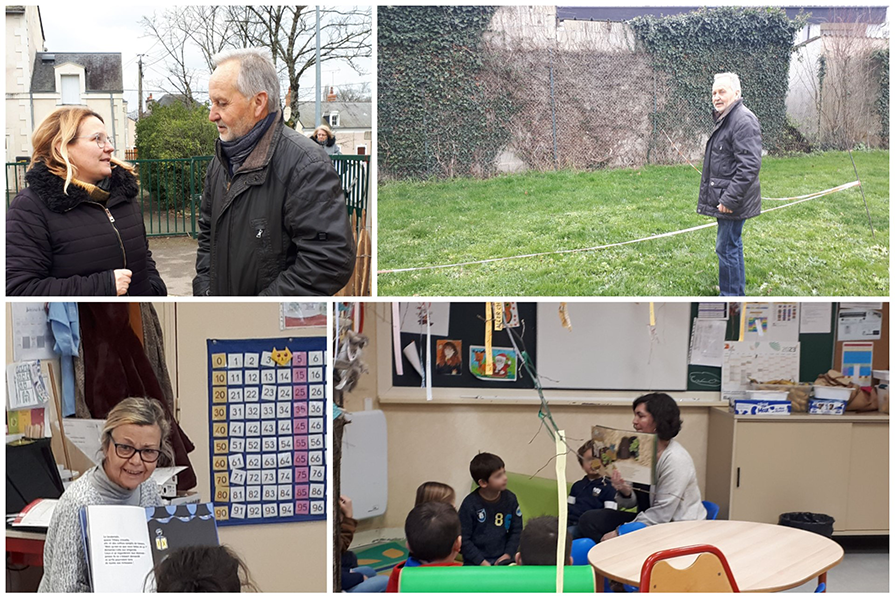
[(730, 190)]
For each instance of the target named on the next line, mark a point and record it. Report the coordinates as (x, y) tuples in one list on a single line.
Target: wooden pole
[(59, 415)]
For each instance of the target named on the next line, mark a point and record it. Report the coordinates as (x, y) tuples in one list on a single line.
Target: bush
[(173, 132)]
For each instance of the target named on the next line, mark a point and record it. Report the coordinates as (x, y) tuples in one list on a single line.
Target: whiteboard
[(611, 346)]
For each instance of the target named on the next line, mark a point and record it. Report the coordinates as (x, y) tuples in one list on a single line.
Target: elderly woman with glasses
[(77, 228), (134, 441)]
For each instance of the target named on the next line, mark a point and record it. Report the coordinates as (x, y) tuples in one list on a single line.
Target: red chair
[(708, 573)]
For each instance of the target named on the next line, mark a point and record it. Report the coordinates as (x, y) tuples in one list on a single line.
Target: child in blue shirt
[(489, 516), (594, 491)]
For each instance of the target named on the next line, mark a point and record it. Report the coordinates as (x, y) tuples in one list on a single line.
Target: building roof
[(819, 14), (103, 71), (352, 114)]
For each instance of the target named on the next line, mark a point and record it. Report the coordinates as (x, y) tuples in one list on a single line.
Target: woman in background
[(326, 138)]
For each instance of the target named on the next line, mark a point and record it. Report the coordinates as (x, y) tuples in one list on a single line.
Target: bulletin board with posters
[(267, 425)]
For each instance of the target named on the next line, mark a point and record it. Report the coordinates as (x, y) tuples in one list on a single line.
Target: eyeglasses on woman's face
[(148, 455), (101, 140)]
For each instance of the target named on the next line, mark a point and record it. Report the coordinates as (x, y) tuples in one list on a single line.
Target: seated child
[(355, 578), (538, 543), (433, 538), (202, 569), (490, 515), (435, 491), (593, 491)]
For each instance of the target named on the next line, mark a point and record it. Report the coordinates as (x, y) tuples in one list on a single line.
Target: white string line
[(795, 201)]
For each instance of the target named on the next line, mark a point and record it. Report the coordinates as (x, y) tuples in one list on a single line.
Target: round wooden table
[(762, 557)]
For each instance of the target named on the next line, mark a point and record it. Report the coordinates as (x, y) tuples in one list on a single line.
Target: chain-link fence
[(590, 110)]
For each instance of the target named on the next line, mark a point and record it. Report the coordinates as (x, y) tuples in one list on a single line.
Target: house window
[(332, 119), (71, 89)]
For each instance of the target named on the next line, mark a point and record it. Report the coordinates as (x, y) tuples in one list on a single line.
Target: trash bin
[(818, 523)]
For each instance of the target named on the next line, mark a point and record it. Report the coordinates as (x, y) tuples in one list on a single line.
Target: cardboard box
[(832, 407), (761, 407)]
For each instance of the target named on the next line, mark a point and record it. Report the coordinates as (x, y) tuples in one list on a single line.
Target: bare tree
[(835, 72), (359, 92), (172, 33), (288, 31)]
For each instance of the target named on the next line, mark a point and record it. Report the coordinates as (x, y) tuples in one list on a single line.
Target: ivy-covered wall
[(436, 117), (880, 60), (755, 43)]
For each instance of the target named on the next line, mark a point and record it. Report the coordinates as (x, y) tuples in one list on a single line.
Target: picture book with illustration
[(632, 453)]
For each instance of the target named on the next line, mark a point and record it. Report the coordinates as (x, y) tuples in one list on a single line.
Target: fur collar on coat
[(49, 187)]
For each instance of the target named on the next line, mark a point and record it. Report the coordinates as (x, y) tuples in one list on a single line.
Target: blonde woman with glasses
[(77, 228), (134, 442)]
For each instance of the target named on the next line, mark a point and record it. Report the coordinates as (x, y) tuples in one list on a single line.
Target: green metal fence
[(170, 194), (171, 190), (15, 179), (354, 172)]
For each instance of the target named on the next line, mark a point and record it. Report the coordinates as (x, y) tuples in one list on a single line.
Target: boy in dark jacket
[(490, 515), (591, 492)]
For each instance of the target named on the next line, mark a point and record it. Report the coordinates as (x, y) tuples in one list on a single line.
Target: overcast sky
[(116, 28)]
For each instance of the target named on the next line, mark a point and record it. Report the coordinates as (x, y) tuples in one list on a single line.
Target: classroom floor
[(865, 567), (382, 556)]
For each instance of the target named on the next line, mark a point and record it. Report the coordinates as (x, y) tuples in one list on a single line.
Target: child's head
[(537, 545), (488, 471), (433, 532), (202, 569), (587, 460), (435, 491)]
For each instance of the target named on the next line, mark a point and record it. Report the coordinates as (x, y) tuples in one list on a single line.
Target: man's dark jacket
[(278, 227), (731, 165), (67, 244)]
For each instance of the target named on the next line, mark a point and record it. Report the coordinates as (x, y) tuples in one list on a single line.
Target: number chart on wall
[(267, 426)]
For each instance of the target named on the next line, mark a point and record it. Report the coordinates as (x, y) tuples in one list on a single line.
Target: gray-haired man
[(730, 190), (273, 219)]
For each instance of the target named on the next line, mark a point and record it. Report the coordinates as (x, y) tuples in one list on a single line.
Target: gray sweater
[(675, 495), (65, 562)]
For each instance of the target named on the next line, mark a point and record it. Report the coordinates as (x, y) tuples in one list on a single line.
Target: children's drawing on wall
[(295, 315), (632, 453), (510, 314), (505, 363), (422, 317), (449, 358)]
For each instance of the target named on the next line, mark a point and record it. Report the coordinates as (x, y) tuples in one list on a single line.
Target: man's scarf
[(236, 152)]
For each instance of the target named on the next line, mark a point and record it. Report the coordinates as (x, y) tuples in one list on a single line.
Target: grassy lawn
[(817, 248)]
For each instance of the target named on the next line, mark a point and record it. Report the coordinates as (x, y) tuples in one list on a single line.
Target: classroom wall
[(288, 557), (436, 442)]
